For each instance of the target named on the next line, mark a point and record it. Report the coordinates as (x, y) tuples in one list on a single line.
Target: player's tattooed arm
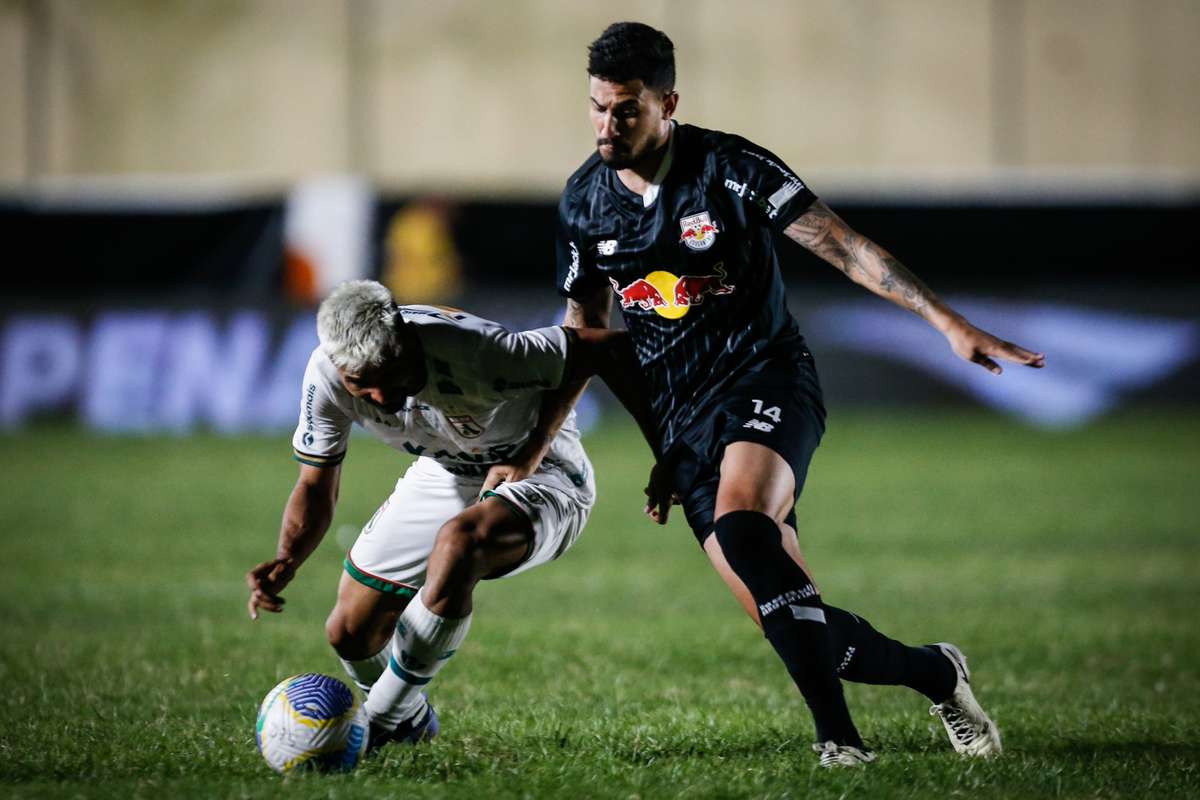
[(825, 234), (306, 518)]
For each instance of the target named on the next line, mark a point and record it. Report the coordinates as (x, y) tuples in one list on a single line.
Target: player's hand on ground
[(266, 581), (660, 494), (982, 348)]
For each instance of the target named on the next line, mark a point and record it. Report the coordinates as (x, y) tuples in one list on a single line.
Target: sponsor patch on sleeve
[(785, 193)]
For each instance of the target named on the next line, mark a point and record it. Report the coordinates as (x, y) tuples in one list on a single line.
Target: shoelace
[(962, 727), (830, 754)]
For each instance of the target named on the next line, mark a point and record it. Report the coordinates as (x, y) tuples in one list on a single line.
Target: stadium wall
[(490, 97)]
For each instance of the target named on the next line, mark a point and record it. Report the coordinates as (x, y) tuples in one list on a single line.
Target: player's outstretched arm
[(824, 233), (306, 518)]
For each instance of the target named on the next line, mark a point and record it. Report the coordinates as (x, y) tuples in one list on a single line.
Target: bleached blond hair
[(358, 326)]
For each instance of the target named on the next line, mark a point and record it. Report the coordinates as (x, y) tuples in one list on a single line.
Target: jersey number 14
[(773, 413)]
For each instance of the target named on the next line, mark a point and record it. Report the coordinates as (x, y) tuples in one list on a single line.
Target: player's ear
[(670, 101), (404, 341)]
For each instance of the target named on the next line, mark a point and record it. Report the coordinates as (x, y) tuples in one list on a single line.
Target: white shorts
[(392, 551)]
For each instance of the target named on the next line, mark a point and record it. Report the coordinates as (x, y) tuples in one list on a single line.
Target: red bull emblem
[(641, 293), (698, 231), (670, 296)]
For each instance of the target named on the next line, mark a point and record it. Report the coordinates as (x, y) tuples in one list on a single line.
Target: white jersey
[(481, 398)]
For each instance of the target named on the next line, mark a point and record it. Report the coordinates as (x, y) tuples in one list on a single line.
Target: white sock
[(364, 673), (422, 644)]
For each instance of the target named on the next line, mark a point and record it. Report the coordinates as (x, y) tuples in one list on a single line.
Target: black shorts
[(777, 404)]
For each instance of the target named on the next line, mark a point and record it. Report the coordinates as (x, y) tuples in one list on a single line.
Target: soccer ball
[(311, 720)]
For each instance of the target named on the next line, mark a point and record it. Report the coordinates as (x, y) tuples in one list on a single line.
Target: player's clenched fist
[(266, 581), (660, 495)]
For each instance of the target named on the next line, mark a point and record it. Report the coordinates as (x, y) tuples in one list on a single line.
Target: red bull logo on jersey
[(670, 296), (698, 231)]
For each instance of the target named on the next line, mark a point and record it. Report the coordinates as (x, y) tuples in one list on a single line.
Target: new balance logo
[(759, 425)]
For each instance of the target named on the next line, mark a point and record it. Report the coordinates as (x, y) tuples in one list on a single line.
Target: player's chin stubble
[(618, 157)]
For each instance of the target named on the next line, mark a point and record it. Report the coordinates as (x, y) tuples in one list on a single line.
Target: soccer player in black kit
[(678, 224)]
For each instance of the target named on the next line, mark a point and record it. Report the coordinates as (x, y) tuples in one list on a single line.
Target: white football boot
[(971, 731), (841, 755)]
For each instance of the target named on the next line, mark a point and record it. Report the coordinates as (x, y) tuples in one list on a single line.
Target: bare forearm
[(557, 404), (555, 407), (306, 518), (822, 232)]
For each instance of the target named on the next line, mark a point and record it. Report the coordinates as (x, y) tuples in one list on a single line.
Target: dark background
[(235, 253)]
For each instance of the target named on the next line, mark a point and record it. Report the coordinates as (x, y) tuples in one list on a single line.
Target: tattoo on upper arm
[(823, 233), (820, 231), (574, 315), (591, 312)]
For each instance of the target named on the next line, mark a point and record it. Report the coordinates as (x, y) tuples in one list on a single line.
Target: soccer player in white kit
[(482, 500)]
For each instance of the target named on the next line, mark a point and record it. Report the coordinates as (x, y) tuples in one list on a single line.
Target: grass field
[(1064, 565)]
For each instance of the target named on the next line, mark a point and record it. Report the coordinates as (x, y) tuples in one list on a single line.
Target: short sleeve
[(766, 187), (577, 275), (323, 432), (523, 361)]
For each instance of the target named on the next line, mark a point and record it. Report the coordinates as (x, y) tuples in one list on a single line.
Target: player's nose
[(608, 126)]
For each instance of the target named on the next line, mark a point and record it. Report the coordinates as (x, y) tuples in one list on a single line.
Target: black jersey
[(696, 272)]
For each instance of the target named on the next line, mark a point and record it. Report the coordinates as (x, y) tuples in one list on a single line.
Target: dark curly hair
[(629, 51)]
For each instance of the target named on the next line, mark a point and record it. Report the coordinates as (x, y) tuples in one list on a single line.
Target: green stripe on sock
[(405, 675)]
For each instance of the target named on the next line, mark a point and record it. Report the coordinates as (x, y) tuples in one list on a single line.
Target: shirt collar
[(652, 190)]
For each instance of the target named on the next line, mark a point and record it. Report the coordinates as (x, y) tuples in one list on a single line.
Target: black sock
[(793, 617), (864, 655)]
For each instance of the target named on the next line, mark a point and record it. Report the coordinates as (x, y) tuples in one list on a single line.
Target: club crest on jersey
[(670, 296), (467, 427), (698, 231)]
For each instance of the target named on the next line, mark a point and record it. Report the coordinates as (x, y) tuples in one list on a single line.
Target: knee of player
[(462, 539), (744, 533), (343, 637), (743, 498)]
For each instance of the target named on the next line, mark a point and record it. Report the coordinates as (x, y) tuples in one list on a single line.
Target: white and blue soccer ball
[(311, 720)]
